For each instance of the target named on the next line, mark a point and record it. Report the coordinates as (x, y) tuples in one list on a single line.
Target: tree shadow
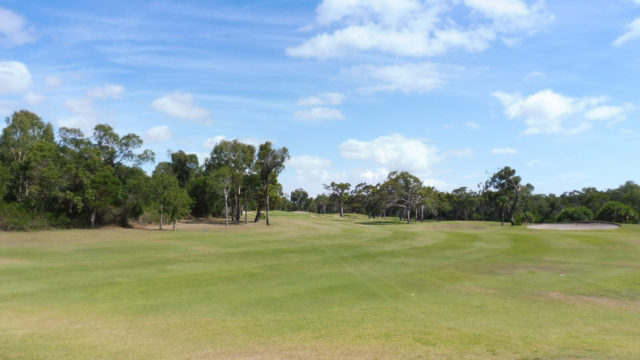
[(382, 222)]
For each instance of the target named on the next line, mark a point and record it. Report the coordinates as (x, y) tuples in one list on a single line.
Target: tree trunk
[(324, 208), (258, 211), (341, 210), (174, 224), (161, 210), (408, 215), (267, 207), (421, 213), (226, 210), (93, 218), (246, 210)]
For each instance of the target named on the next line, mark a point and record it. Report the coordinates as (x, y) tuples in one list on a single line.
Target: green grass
[(321, 287)]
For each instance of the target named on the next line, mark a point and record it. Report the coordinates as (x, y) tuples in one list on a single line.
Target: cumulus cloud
[(14, 30), (407, 78), (328, 98), (15, 77), (319, 114), (113, 91), (504, 151), (158, 134), (553, 113), (53, 81), (418, 27), (632, 33), (84, 115), (395, 152), (181, 105)]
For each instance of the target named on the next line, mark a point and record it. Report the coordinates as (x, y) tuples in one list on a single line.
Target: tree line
[(502, 197), (79, 181)]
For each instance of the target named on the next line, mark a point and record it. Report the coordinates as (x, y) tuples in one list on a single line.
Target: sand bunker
[(575, 226)]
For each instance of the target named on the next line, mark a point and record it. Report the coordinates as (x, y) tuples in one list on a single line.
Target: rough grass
[(321, 287)]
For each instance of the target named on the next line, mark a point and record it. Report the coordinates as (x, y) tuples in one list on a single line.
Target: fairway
[(321, 287)]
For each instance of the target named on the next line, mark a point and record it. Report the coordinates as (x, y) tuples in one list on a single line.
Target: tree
[(505, 182), (239, 158), (298, 197), (222, 181), (184, 166), (270, 163), (404, 192), (339, 192), (617, 212), (167, 194), (116, 150)]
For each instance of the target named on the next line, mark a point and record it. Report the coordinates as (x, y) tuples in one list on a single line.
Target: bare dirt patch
[(575, 226), (595, 301)]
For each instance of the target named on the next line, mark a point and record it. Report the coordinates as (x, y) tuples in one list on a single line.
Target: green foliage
[(580, 213), (614, 211)]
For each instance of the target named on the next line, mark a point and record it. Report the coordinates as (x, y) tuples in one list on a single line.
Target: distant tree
[(322, 200), (116, 150), (222, 181), (580, 213), (185, 166), (339, 192), (506, 183), (298, 197), (404, 192), (167, 194), (270, 163)]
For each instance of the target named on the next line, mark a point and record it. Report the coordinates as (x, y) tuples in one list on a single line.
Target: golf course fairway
[(321, 287)]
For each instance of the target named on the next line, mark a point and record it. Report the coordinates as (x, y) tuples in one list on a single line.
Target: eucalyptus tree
[(299, 197), (239, 158), (222, 180), (269, 164), (506, 183), (167, 194), (185, 166), (339, 192), (404, 191)]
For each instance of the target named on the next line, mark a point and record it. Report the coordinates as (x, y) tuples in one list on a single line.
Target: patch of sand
[(575, 226)]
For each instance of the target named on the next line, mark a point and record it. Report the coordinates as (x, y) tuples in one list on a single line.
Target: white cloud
[(14, 30), (329, 98), (32, 98), (15, 77), (53, 81), (632, 33), (84, 116), (319, 114), (211, 142), (472, 125), (308, 163), (420, 78), (553, 113), (394, 152), (181, 105), (107, 91), (418, 27), (504, 151), (158, 134)]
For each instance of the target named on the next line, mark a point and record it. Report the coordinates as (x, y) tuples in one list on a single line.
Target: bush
[(16, 217), (617, 212), (580, 213)]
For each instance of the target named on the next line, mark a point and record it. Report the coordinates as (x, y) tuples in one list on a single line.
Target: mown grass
[(321, 287)]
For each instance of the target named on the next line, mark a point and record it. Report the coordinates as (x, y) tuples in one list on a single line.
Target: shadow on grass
[(382, 222)]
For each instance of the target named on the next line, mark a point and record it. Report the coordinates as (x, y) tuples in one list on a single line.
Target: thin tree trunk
[(258, 211), (226, 210), (421, 213), (246, 210), (174, 224), (161, 210), (93, 218), (513, 207), (341, 210), (408, 215), (267, 208)]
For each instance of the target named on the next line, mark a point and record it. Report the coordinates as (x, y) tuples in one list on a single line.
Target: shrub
[(580, 213), (617, 212), (16, 217)]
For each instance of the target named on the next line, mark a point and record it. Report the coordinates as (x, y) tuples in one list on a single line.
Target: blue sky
[(450, 90)]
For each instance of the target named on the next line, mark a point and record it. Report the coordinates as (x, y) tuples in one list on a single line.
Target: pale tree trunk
[(226, 209), (324, 208), (513, 207), (246, 210), (421, 213), (267, 208), (174, 224), (93, 218), (408, 215), (341, 209)]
